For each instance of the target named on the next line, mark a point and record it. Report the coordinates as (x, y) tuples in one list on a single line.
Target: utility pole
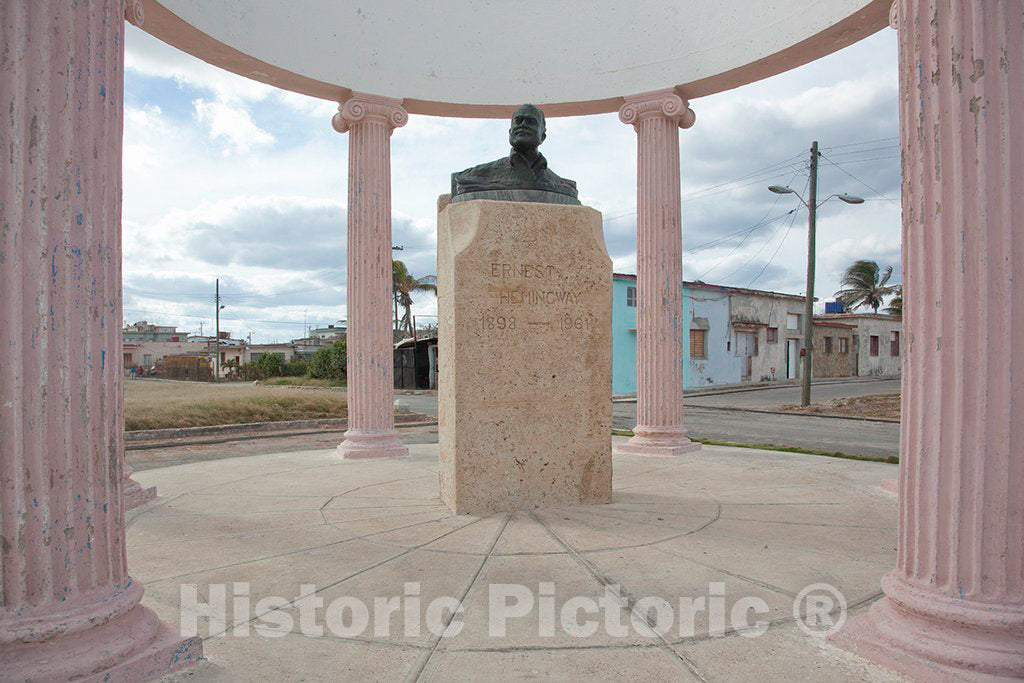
[(216, 341), (812, 209)]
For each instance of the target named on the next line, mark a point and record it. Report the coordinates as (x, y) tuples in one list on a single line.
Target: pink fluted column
[(657, 118), (369, 121), (954, 605), (68, 607)]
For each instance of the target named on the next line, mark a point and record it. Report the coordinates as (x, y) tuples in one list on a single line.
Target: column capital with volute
[(663, 103), (364, 108)]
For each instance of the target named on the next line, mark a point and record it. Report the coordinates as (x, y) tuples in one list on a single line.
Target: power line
[(725, 238), (750, 232), (887, 148), (253, 295), (863, 142), (778, 166), (846, 162), (773, 170), (755, 181), (781, 242), (859, 180), (207, 317), (784, 236)]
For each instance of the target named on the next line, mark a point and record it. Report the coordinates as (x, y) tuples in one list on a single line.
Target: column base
[(658, 442), (935, 637), (365, 445), (136, 646), (134, 494)]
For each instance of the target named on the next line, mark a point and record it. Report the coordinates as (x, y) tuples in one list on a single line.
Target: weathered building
[(877, 342), (767, 333), (144, 331), (834, 349), (707, 346), (731, 335)]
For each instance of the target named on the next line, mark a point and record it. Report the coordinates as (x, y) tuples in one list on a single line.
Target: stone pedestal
[(954, 604), (68, 607), (524, 301)]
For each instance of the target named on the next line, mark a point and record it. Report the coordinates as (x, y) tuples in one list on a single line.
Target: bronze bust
[(523, 175)]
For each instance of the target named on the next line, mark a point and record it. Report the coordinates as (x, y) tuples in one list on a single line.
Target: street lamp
[(812, 205)]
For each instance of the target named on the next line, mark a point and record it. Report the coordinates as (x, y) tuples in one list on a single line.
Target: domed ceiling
[(483, 57)]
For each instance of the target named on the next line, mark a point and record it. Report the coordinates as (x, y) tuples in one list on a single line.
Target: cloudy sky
[(232, 179)]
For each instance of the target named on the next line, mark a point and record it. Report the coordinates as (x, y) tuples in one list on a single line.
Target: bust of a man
[(521, 176)]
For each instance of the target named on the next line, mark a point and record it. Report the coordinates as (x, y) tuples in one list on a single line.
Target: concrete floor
[(765, 524)]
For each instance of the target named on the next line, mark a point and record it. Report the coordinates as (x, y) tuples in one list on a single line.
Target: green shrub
[(329, 362), (248, 372), (296, 367), (270, 365)]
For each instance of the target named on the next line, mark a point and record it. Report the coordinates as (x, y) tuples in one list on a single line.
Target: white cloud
[(148, 56), (234, 124), (286, 175)]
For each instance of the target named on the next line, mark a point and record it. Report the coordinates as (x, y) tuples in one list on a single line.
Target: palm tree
[(403, 284), (895, 306), (865, 285)]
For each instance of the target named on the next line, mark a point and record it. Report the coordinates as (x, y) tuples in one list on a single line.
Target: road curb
[(324, 424), (797, 413), (743, 388)]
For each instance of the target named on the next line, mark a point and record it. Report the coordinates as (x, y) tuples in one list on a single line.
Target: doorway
[(792, 357), (746, 349)]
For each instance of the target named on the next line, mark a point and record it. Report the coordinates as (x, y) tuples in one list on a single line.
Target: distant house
[(298, 348), (877, 341), (730, 334), (146, 345), (835, 348), (143, 331), (766, 332), (330, 333)]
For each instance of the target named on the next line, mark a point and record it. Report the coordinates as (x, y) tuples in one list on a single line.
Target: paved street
[(728, 417), (854, 437), (772, 397)]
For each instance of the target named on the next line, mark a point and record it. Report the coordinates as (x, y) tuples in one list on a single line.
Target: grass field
[(302, 382), (160, 404)]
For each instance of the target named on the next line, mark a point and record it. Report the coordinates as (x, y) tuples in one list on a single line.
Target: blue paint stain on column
[(103, 365), (53, 268), (103, 90), (53, 320), (79, 217)]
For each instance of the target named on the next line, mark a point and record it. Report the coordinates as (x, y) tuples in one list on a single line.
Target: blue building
[(623, 334), (734, 335)]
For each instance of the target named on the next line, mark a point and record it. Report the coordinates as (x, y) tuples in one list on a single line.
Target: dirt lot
[(158, 404), (886, 406)]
